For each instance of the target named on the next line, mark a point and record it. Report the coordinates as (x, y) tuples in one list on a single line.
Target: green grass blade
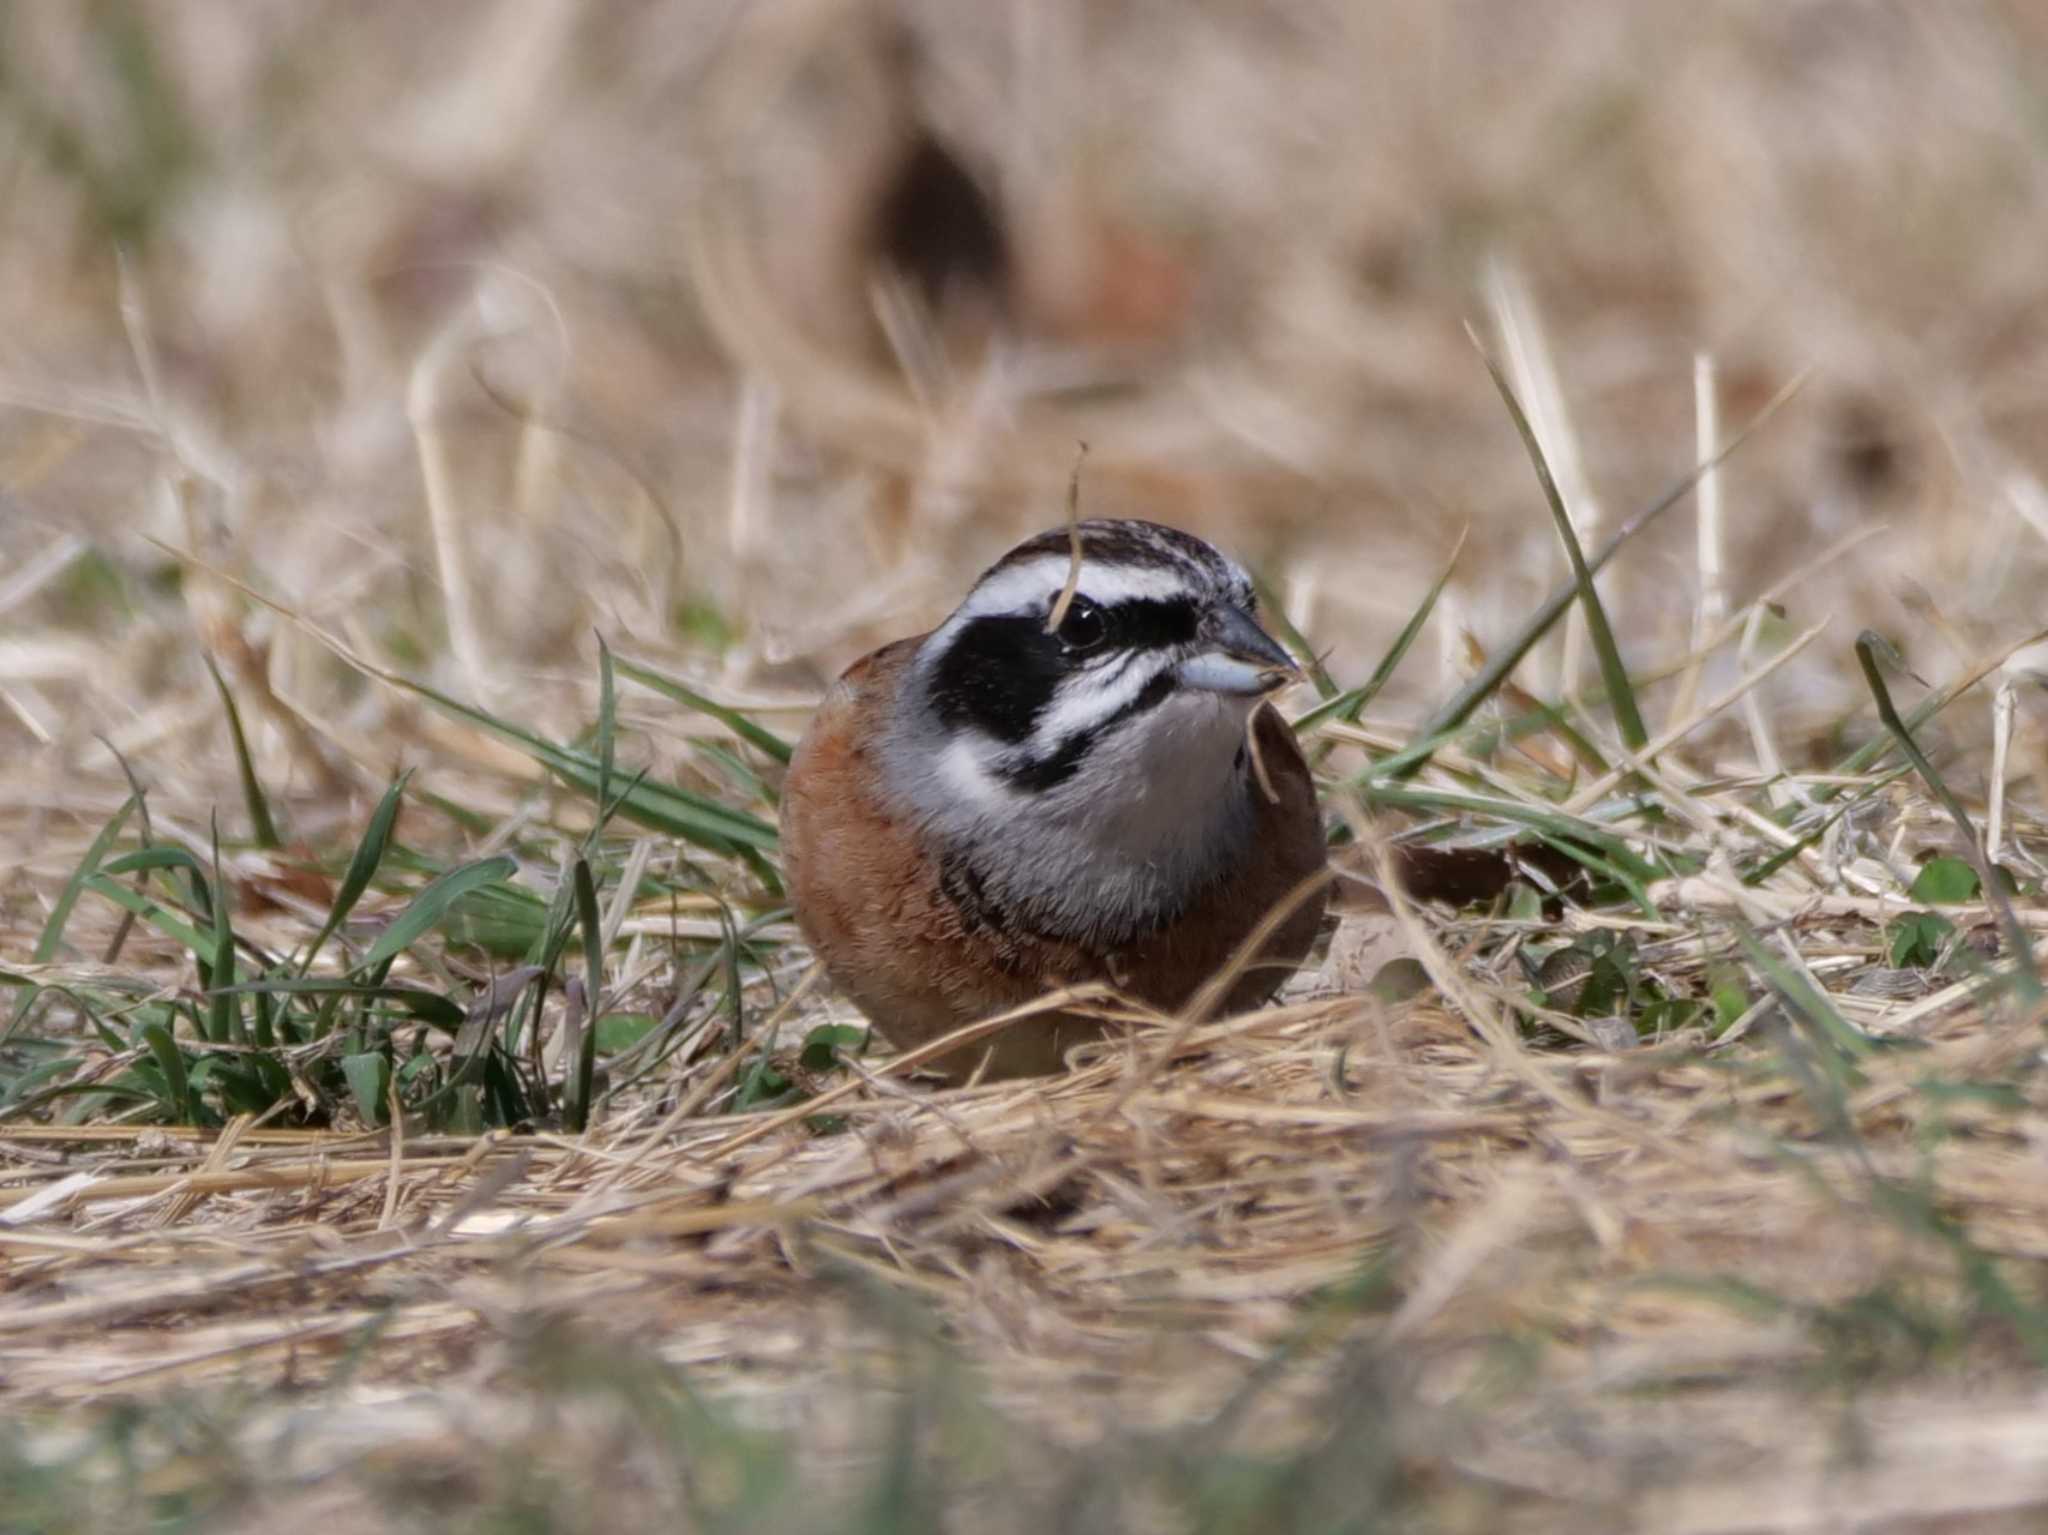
[(156, 914), (1629, 873), (1484, 737), (1870, 752), (729, 957), (1786, 854), (1347, 706), (368, 1074), (1506, 658), (677, 812), (144, 860), (432, 905), (260, 1030), (60, 915), (52, 935), (1804, 998), (1868, 646), (143, 831), (1620, 693), (261, 826), (362, 865), (224, 1010), (162, 856), (1561, 827), (430, 1007), (748, 781), (579, 1051), (747, 730), (170, 1060), (691, 817)]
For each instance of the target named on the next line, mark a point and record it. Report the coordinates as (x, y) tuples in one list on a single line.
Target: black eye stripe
[(1151, 623), (999, 673)]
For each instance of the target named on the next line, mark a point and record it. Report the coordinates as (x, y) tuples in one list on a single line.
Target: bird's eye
[(1084, 627)]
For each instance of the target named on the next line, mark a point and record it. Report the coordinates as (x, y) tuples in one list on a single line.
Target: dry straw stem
[(1072, 584), (1599, 787)]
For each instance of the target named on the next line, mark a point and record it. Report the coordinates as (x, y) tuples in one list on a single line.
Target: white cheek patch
[(965, 774), (1031, 586), (1088, 699)]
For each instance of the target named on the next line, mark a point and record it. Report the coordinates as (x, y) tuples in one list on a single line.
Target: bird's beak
[(1237, 656)]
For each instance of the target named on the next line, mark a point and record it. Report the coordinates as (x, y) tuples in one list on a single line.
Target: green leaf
[(1505, 658), (432, 905), (1807, 1002), (224, 1010), (580, 1048), (693, 817), (622, 1031), (153, 912), (143, 860), (822, 1045), (1669, 1015), (762, 1086), (170, 1062), (60, 914), (747, 730), (1620, 692), (1349, 705), (1730, 995), (369, 1081), (1945, 882), (430, 1007), (1869, 646), (1917, 939), (243, 1085), (362, 865)]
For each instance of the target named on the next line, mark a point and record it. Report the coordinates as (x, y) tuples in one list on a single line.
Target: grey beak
[(1237, 656)]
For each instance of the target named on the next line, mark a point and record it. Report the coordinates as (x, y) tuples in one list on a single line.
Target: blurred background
[(745, 334)]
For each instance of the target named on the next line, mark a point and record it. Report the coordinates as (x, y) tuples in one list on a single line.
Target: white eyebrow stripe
[(1032, 584), (1086, 700)]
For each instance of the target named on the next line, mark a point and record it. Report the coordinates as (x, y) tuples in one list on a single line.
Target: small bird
[(1003, 806)]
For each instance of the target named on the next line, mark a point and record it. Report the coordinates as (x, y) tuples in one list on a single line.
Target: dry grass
[(443, 338)]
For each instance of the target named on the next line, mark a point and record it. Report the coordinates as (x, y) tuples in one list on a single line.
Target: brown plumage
[(905, 933)]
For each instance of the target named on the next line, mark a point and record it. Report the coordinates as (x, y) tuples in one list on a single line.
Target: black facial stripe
[(1049, 772), (1152, 623), (1000, 672), (998, 675)]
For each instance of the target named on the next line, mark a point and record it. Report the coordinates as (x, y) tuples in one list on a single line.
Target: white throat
[(1157, 808)]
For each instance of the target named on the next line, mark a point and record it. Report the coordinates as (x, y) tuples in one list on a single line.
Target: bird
[(1076, 777)]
